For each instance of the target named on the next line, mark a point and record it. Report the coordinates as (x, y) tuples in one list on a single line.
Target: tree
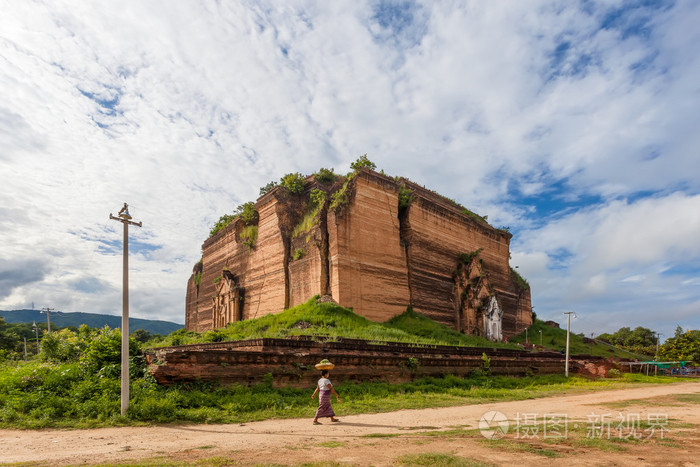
[(684, 346), (363, 161)]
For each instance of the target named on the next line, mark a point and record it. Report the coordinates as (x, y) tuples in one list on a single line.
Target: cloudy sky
[(576, 124)]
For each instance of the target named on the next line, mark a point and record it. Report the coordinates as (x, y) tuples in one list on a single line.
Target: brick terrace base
[(291, 361)]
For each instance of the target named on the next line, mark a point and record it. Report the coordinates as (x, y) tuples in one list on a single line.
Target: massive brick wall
[(437, 233), (367, 261), (369, 254)]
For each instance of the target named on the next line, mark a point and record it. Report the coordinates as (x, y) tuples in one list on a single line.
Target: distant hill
[(93, 320)]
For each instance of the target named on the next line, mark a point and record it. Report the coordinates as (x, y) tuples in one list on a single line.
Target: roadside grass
[(40, 395), (578, 435), (434, 459), (332, 444), (658, 401)]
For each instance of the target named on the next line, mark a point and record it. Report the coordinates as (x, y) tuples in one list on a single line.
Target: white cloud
[(184, 110)]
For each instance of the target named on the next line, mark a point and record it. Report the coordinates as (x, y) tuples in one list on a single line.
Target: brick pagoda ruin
[(373, 243)]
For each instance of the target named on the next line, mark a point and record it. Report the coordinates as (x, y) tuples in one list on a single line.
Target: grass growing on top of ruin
[(331, 321)]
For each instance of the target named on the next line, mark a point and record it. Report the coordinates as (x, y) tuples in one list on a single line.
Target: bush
[(325, 176), (363, 162), (221, 224), (293, 182), (267, 188)]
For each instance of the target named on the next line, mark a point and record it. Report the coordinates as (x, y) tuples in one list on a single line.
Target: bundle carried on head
[(325, 365)]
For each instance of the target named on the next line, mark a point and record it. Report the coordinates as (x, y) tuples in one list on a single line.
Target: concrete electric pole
[(48, 311), (568, 330), (125, 219)]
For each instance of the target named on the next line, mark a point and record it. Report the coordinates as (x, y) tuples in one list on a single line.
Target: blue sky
[(575, 124)]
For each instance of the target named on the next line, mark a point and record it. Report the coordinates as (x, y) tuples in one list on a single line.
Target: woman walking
[(325, 389)]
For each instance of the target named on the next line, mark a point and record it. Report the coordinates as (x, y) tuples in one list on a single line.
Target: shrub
[(363, 162), (267, 188), (221, 224), (325, 176), (247, 213), (614, 373), (249, 235), (405, 197), (519, 280), (293, 182), (299, 253)]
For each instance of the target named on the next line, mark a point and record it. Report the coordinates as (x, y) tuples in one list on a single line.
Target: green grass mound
[(331, 321)]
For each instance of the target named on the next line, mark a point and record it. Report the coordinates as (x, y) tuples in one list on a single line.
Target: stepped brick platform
[(291, 361)]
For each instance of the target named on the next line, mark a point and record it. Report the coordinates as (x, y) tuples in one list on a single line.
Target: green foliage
[(341, 197), (39, 395), (519, 280), (247, 213), (267, 188), (325, 176), (614, 373), (625, 337), (467, 258), (221, 224), (363, 162), (249, 235), (485, 362), (317, 199), (293, 182), (555, 339), (141, 336), (405, 196), (329, 320), (299, 253), (216, 280), (684, 346)]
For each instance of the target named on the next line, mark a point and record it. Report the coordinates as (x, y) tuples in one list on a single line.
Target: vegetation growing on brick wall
[(466, 258), (363, 162), (249, 235), (325, 176), (267, 188), (245, 211), (317, 199), (221, 224), (299, 253), (341, 198), (519, 280), (405, 196), (197, 278), (293, 182)]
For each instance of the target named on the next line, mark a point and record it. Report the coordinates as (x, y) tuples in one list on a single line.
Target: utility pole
[(658, 339), (48, 316), (125, 219), (36, 331), (568, 331), (541, 338)]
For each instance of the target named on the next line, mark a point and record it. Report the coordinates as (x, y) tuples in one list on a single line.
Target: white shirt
[(324, 383)]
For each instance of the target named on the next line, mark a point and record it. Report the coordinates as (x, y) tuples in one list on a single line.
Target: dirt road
[(667, 434)]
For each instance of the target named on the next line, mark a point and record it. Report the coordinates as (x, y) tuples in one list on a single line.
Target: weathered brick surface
[(291, 362), (367, 261)]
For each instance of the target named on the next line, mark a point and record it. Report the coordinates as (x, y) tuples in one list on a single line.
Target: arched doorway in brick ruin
[(478, 310), (228, 301)]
